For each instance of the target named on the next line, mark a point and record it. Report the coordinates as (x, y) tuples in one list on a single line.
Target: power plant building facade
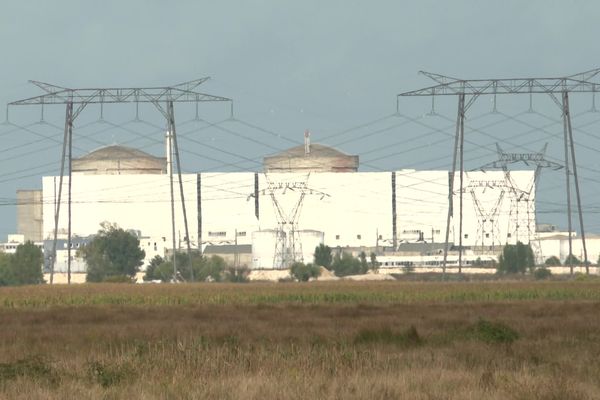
[(301, 199)]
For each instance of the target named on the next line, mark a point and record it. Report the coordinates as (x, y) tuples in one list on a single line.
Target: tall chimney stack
[(306, 142)]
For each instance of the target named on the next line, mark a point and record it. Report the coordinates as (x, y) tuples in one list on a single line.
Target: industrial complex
[(305, 196)]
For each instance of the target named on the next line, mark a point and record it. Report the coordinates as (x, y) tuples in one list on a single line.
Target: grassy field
[(340, 340)]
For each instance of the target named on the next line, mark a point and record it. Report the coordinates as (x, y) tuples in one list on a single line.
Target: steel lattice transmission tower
[(469, 90), (288, 246), (527, 194), (487, 217), (75, 100)]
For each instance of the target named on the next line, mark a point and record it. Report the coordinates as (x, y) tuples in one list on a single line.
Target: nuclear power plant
[(305, 196)]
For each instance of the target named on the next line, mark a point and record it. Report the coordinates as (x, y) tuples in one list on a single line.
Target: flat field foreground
[(338, 340)]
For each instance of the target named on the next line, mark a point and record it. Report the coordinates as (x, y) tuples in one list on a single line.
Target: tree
[(374, 265), (345, 264), (22, 268), (113, 252), (542, 273), (552, 261), (205, 269), (572, 260), (5, 278), (323, 257), (151, 269), (209, 269), (27, 265), (237, 274), (364, 265), (303, 272), (515, 258)]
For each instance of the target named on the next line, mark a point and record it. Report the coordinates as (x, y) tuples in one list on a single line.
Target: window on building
[(359, 237), (217, 234), (337, 237), (509, 235), (380, 237), (241, 233), (466, 236), (487, 235)]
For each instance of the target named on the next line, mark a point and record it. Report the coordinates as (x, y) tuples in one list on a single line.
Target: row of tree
[(114, 255), (340, 263)]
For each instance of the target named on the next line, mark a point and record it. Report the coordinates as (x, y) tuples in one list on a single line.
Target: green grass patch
[(35, 368), (493, 332)]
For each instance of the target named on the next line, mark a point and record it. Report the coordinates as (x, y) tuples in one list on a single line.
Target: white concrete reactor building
[(299, 200)]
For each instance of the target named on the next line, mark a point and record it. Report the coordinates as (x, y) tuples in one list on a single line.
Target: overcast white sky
[(289, 65)]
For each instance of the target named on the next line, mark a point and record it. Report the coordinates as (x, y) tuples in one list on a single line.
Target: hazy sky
[(289, 65)]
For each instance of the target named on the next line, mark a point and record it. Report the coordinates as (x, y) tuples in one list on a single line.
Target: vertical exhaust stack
[(306, 142)]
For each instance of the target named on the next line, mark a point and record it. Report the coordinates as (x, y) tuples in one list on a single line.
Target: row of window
[(487, 235), (433, 263), (419, 231), (223, 234)]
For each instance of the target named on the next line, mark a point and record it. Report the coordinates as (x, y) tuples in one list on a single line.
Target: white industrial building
[(306, 195)]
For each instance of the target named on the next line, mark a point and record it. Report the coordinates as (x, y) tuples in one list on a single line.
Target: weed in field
[(407, 338), (107, 375), (34, 368), (493, 332)]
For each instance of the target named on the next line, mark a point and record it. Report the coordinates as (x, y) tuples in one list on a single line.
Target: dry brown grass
[(292, 341)]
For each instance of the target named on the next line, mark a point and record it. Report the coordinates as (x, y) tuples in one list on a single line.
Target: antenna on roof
[(306, 142)]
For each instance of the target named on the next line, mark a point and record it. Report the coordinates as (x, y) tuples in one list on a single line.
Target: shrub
[(119, 279), (409, 337), (542, 273), (344, 264), (303, 272), (107, 375), (552, 261), (515, 259), (572, 260), (494, 332), (32, 368), (237, 275)]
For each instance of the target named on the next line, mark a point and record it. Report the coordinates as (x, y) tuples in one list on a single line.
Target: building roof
[(316, 150), (422, 247), (228, 249), (116, 152)]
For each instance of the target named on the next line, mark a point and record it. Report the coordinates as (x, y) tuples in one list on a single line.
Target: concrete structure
[(311, 158), (11, 244), (301, 190), (119, 160), (29, 214), (351, 209), (152, 246), (232, 254), (557, 245), (265, 251)]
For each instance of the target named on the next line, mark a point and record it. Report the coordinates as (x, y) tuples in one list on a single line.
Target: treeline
[(203, 269), (340, 263), (114, 255)]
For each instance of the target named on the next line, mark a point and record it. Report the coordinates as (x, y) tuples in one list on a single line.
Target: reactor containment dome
[(119, 160), (311, 158)]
